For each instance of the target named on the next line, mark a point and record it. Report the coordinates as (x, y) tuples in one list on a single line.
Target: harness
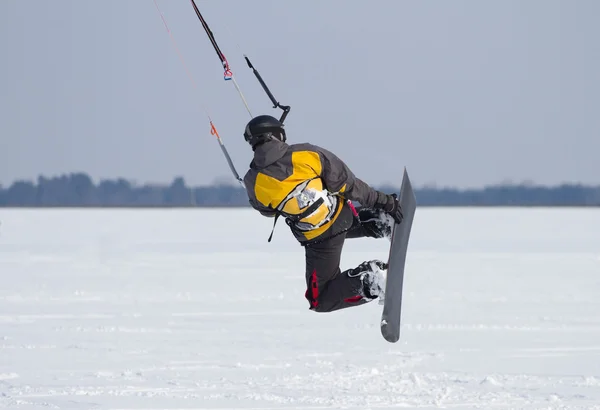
[(307, 207)]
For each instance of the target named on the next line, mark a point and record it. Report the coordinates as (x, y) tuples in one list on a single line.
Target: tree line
[(78, 190)]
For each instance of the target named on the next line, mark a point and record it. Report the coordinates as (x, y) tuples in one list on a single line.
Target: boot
[(373, 276), (377, 222)]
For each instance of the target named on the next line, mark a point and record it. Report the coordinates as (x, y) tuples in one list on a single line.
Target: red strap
[(314, 290)]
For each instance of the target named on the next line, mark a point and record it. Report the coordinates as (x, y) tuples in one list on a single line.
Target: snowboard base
[(392, 305)]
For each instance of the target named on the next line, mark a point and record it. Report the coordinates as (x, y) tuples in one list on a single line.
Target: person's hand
[(391, 206)]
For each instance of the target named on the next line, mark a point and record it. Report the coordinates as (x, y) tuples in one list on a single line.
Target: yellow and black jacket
[(306, 184)]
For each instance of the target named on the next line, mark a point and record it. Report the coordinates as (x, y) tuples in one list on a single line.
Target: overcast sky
[(463, 93)]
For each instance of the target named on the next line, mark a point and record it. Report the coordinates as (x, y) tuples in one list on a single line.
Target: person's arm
[(338, 177), (249, 181), (264, 211)]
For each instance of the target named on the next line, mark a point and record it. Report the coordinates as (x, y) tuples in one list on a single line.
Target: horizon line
[(222, 181)]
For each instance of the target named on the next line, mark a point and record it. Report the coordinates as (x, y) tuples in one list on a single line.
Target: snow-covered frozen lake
[(193, 309)]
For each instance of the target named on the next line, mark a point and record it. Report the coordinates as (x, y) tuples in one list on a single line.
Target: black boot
[(376, 222), (373, 276)]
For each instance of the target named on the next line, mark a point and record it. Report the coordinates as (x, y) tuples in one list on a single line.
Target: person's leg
[(329, 289)]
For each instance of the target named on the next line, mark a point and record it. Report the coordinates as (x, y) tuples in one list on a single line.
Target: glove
[(390, 205)]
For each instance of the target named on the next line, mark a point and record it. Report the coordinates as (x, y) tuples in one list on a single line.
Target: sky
[(463, 93)]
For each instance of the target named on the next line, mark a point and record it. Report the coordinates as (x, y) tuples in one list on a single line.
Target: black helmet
[(262, 128)]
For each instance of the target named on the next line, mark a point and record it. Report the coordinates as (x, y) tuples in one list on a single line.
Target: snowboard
[(392, 304)]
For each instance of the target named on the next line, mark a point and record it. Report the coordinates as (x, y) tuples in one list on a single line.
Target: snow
[(193, 309)]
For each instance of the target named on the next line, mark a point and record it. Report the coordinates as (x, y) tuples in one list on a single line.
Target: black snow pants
[(329, 288)]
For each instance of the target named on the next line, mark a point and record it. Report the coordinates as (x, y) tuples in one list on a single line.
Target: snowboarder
[(313, 189)]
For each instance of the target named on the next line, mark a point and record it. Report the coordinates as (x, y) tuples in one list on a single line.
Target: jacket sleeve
[(264, 211), (249, 181), (338, 177)]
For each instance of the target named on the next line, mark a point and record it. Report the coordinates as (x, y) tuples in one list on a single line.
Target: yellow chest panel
[(270, 192)]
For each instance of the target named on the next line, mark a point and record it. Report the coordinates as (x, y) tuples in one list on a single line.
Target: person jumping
[(313, 190)]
